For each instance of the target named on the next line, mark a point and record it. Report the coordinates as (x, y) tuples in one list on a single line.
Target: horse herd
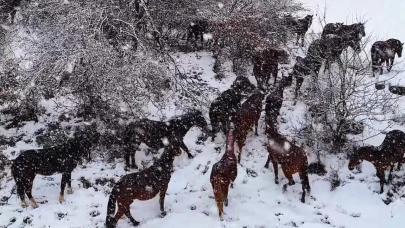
[(229, 115)]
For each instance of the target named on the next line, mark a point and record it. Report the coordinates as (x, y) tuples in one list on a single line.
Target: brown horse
[(299, 26), (292, 160), (143, 185), (247, 117), (224, 173), (390, 152), (265, 64)]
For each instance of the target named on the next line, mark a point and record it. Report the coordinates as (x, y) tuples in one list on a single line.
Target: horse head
[(361, 29), (243, 85), (309, 19), (354, 160)]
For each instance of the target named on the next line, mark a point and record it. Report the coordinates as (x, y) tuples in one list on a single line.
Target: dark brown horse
[(246, 118), (224, 107), (152, 132), (384, 157), (224, 173), (353, 32), (301, 69), (384, 51), (274, 102), (143, 185), (291, 158), (60, 159), (299, 26), (196, 30), (265, 65)]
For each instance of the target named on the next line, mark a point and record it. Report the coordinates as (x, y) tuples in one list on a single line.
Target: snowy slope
[(255, 201)]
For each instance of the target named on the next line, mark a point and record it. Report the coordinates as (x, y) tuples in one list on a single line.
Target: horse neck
[(182, 125), (230, 146), (166, 161)]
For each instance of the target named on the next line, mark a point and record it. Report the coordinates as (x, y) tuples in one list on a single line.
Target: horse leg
[(257, 125), (69, 183), (226, 190), (128, 214), (380, 65), (275, 72), (391, 63), (275, 169), (28, 188), (185, 148), (62, 187), (302, 40), (267, 162), (21, 193), (123, 208), (390, 173), (299, 81), (289, 177), (304, 184), (219, 189), (162, 195), (381, 176)]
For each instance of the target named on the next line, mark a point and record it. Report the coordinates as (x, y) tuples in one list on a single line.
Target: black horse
[(143, 185), (152, 133), (353, 32), (301, 68), (329, 48), (384, 51), (299, 26), (60, 159), (224, 107), (197, 29)]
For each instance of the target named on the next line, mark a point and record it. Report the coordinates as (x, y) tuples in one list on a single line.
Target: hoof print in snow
[(12, 220), (251, 172), (278, 214), (193, 207), (94, 213), (355, 215), (27, 220), (325, 220), (206, 213), (61, 215)]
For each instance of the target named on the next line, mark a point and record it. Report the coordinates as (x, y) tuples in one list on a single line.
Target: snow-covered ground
[(255, 201)]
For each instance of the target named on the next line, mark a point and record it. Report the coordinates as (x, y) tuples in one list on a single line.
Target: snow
[(255, 201)]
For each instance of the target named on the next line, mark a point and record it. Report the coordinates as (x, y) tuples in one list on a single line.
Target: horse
[(385, 156), (226, 105), (59, 159), (247, 117), (291, 158), (143, 185), (224, 173), (384, 51), (265, 64), (196, 30), (152, 132), (354, 31), (329, 48), (273, 104), (301, 68), (299, 26)]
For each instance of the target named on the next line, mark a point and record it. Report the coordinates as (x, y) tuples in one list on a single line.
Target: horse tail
[(18, 181), (111, 208)]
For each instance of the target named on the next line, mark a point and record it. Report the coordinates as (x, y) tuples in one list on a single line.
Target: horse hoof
[(34, 204), (163, 213), (61, 199), (24, 204), (276, 181), (266, 166), (190, 156), (303, 200)]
